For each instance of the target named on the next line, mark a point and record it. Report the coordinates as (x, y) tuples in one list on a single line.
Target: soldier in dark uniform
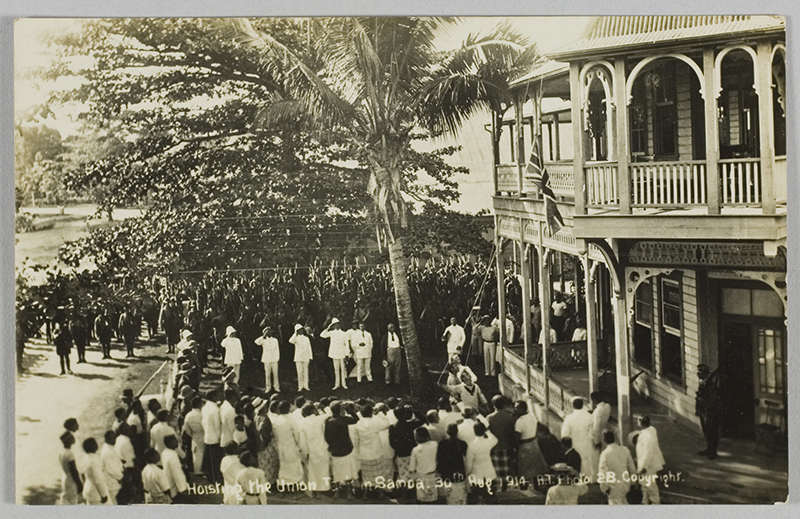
[(79, 332), (707, 407), (103, 330), (63, 342), (129, 329), (171, 322)]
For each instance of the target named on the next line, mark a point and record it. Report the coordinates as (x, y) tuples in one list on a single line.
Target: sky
[(548, 32)]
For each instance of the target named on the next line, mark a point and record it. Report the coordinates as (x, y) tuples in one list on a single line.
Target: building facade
[(665, 143)]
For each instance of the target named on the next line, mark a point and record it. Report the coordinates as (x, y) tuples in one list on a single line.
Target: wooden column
[(765, 125), (623, 363), (622, 154), (501, 293), (556, 137), (577, 137), (712, 132), (544, 291), (526, 304), (591, 325), (495, 155), (520, 146)]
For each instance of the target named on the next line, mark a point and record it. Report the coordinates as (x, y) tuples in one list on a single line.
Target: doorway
[(737, 392)]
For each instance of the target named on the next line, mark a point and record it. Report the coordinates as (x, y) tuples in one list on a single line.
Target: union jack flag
[(537, 172)]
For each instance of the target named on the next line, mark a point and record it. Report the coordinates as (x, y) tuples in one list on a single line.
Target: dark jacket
[(401, 437), (450, 460), (337, 434)]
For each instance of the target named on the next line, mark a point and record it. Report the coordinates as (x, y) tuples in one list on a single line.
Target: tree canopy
[(264, 141)]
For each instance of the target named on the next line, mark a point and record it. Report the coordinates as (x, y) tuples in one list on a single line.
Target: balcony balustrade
[(667, 185)]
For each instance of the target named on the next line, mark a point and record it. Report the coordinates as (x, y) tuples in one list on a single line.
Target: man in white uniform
[(302, 355), (270, 356), (455, 337), (361, 345), (337, 352)]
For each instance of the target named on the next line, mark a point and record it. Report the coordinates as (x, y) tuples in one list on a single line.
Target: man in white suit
[(615, 461), (649, 460), (578, 426)]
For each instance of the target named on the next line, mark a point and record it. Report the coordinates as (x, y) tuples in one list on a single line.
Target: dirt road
[(44, 400)]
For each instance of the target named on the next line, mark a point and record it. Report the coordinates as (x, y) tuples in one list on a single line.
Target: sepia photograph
[(381, 260)]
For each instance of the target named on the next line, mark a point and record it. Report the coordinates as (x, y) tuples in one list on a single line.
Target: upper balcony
[(676, 143), (676, 192)]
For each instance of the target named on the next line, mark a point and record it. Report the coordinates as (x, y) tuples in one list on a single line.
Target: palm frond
[(303, 83)]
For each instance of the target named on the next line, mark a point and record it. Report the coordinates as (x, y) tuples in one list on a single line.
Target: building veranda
[(665, 143)]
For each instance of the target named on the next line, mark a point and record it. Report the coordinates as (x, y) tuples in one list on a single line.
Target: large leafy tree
[(381, 80), (221, 120)]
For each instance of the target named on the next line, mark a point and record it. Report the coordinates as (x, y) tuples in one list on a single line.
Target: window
[(756, 303), (643, 326), (638, 118), (771, 366), (671, 330), (665, 109)]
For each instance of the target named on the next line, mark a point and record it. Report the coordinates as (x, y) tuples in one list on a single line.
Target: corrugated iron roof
[(549, 68), (610, 32)]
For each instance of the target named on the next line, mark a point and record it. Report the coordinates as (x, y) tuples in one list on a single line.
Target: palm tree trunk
[(421, 388)]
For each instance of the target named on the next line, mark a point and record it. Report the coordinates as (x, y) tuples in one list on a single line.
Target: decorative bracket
[(776, 280), (635, 276)]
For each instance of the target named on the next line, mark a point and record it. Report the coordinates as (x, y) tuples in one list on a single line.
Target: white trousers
[(271, 376), (650, 494), (339, 373), (302, 374), (364, 368), (198, 452)]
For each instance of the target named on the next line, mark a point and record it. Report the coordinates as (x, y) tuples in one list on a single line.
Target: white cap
[(298, 326), (229, 330), (334, 321)]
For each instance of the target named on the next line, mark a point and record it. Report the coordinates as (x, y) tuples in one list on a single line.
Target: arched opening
[(598, 106), (666, 113), (738, 107), (779, 101)]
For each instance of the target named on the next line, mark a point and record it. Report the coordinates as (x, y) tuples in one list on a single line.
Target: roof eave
[(579, 54)]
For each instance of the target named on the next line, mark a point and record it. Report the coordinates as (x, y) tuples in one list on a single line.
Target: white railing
[(741, 181), (601, 182), (514, 367), (537, 382), (668, 183), (779, 179), (507, 178), (562, 178)]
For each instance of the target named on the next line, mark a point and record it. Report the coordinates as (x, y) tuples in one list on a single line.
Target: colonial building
[(665, 143)]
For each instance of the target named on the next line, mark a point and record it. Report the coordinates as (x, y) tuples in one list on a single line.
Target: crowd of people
[(248, 444)]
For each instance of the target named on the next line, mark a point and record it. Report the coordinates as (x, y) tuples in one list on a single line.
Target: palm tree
[(378, 81)]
